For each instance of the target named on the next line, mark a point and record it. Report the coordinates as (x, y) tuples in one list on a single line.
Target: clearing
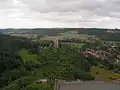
[(28, 58)]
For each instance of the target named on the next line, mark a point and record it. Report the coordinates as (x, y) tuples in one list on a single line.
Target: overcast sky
[(59, 13)]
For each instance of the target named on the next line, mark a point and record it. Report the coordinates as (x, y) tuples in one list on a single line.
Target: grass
[(103, 74), (36, 86), (26, 57), (72, 44)]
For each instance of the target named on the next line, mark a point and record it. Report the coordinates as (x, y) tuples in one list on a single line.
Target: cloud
[(60, 13)]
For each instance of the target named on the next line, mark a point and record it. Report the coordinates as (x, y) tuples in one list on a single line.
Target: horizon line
[(62, 28)]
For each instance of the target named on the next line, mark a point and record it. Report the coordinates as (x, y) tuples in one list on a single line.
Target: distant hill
[(104, 34)]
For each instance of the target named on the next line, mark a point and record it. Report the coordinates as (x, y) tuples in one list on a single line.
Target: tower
[(56, 43)]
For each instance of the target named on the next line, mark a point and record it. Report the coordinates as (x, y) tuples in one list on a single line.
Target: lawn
[(103, 74), (26, 57)]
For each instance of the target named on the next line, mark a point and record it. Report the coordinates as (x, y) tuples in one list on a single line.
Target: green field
[(103, 74), (26, 57), (73, 45)]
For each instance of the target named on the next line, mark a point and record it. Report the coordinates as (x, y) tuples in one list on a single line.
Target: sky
[(59, 13)]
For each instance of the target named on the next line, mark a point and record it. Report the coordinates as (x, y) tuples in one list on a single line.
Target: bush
[(84, 76), (35, 86), (12, 87)]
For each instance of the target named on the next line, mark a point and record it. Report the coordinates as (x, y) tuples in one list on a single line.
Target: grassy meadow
[(27, 57), (103, 74)]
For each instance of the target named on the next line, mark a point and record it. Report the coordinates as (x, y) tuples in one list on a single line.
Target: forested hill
[(55, 31), (22, 62), (104, 34), (9, 57)]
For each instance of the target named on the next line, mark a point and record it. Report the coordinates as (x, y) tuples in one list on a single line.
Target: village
[(111, 50)]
